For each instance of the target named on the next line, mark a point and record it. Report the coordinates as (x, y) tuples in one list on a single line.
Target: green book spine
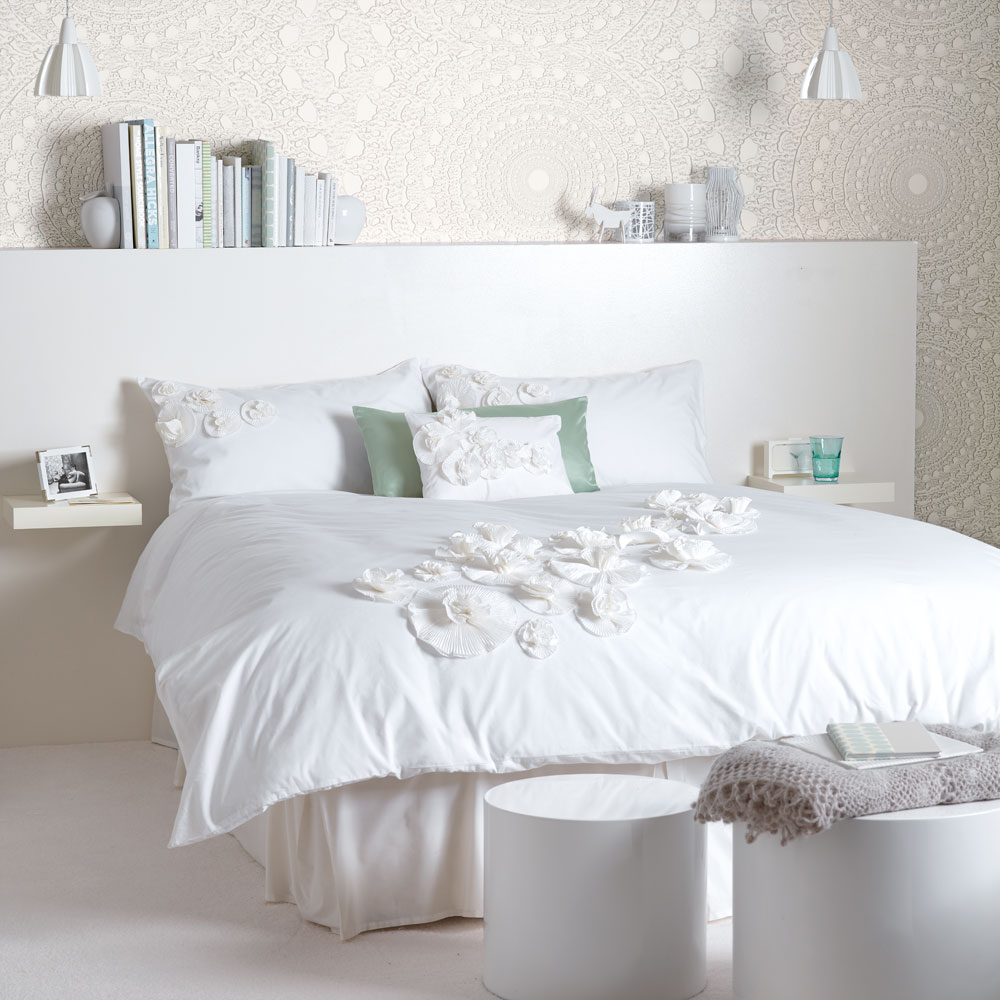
[(266, 157), (206, 193)]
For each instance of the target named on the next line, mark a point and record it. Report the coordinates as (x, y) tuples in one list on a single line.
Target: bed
[(350, 758)]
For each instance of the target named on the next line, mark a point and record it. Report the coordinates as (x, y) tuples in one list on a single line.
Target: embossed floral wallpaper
[(492, 119)]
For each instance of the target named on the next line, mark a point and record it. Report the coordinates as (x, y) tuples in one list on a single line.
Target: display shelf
[(22, 512), (847, 489)]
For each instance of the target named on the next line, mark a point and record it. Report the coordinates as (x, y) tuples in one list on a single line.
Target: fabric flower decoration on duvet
[(605, 611), (545, 596), (462, 621), (537, 638), (384, 585), (507, 566), (431, 571), (599, 567), (689, 553)]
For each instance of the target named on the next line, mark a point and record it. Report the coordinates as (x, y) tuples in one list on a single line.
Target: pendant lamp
[(831, 75), (68, 68)]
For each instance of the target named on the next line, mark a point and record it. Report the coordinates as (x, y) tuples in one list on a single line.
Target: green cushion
[(396, 472)]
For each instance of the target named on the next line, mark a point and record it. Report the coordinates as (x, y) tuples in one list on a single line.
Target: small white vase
[(350, 219), (100, 217), (723, 204)]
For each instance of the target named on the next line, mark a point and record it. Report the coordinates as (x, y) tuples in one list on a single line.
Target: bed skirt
[(387, 853)]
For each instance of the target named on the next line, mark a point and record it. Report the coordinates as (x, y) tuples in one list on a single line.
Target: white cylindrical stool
[(594, 889), (903, 904)]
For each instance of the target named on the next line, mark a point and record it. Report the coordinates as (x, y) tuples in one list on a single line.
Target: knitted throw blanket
[(775, 788)]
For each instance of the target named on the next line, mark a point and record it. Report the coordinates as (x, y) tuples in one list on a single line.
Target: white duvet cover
[(280, 680)]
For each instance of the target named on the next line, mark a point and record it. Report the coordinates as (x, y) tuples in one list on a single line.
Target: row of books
[(179, 194)]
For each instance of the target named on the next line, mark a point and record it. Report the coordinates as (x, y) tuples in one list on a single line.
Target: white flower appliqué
[(201, 399), (689, 553), (431, 571), (384, 585), (537, 638), (175, 424), (598, 567), (572, 542), (219, 423), (162, 391), (645, 530), (664, 499), (545, 596), (507, 566), (463, 546), (605, 611), (533, 392), (462, 621), (258, 412)]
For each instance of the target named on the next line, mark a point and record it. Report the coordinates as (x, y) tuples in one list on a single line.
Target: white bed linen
[(280, 680)]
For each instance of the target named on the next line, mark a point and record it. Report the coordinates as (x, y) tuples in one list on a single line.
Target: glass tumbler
[(826, 458)]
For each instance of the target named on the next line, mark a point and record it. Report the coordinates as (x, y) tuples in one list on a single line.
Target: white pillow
[(644, 427), (281, 437), (501, 458)]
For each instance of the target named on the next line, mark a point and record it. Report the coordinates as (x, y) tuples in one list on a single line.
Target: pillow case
[(465, 457), (642, 428), (396, 472), (220, 442)]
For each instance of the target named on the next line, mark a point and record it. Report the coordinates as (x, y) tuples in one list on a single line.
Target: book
[(329, 193), (246, 224), (188, 169), (149, 181), (309, 211), (256, 206), (237, 166), (206, 191), (228, 205), (820, 745), (199, 193), (118, 176), (281, 167), (320, 203), (214, 183), (332, 232), (881, 740), (300, 206), (265, 156), (162, 221), (172, 193), (290, 204), (138, 181)]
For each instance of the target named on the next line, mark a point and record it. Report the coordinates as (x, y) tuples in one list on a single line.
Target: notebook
[(881, 740), (822, 746)]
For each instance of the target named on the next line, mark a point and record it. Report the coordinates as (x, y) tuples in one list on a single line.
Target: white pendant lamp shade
[(68, 68), (831, 75)]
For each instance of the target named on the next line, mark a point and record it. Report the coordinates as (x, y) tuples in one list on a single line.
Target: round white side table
[(903, 904), (594, 889)]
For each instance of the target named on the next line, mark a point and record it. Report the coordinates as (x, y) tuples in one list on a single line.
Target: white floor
[(93, 905)]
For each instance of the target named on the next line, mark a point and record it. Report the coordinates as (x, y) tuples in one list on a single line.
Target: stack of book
[(179, 194)]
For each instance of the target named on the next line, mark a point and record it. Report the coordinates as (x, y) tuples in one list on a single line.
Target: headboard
[(795, 338)]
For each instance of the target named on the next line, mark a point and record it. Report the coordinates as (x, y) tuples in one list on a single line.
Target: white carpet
[(93, 905)]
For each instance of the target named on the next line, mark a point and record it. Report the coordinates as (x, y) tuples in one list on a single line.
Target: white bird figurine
[(607, 217)]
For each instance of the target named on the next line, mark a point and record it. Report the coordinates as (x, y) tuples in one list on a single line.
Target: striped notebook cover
[(881, 740)]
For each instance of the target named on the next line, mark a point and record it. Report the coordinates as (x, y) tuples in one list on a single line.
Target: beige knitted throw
[(775, 788)]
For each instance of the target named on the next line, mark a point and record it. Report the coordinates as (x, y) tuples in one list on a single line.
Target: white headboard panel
[(795, 338)]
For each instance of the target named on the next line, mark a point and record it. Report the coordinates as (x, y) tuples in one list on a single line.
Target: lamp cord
[(831, 11), (67, 7)]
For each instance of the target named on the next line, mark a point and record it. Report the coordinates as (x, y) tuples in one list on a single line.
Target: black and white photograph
[(66, 472)]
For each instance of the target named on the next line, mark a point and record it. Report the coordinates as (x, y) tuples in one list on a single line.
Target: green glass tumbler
[(826, 458)]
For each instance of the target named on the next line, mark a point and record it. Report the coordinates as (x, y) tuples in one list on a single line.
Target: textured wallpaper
[(492, 119)]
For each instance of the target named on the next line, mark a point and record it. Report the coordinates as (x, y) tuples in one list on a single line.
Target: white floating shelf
[(34, 512), (845, 490)]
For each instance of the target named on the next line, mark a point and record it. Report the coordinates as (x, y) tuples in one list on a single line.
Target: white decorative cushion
[(644, 427), (281, 437), (501, 458)]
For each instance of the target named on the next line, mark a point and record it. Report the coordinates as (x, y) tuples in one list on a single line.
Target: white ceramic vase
[(100, 217), (684, 212), (723, 204), (350, 219)]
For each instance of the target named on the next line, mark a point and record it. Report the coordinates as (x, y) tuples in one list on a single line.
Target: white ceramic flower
[(432, 571), (645, 530), (462, 547), (498, 395), (258, 412), (462, 621), (537, 459), (384, 585), (545, 596), (689, 553), (533, 392), (462, 468), (162, 391), (495, 536), (537, 638), (219, 423), (664, 499), (201, 399), (503, 567), (605, 611), (598, 567), (571, 542), (175, 424)]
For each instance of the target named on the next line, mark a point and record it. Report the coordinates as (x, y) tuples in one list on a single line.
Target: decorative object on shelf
[(684, 212), (66, 472), (100, 218), (791, 457), (641, 226), (607, 218), (350, 219), (831, 75), (826, 457), (723, 204), (68, 68)]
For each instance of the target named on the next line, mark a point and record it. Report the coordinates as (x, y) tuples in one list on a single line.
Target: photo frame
[(790, 457), (65, 473)]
